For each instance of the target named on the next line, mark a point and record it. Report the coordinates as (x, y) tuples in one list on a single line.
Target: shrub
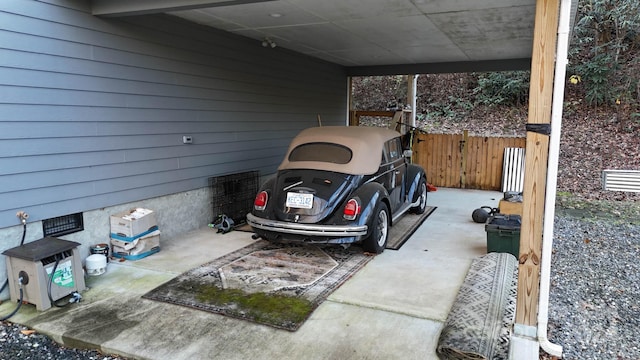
[(503, 88), (606, 37), (597, 73)]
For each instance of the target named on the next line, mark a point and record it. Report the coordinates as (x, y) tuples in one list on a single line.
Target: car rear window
[(324, 152)]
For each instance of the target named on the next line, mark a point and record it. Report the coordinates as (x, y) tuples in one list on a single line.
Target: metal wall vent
[(621, 180), (63, 225)]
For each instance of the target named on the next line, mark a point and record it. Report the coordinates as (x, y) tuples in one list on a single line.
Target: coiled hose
[(53, 271), (24, 233), (17, 307)]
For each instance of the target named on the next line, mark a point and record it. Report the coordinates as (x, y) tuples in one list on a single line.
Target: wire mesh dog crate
[(233, 195)]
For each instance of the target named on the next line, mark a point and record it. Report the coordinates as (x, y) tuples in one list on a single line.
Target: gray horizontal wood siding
[(93, 110)]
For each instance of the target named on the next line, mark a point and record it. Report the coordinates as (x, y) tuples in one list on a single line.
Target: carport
[(414, 37)]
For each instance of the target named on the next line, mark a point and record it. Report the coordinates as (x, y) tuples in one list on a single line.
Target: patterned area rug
[(480, 322), (402, 230), (274, 284)]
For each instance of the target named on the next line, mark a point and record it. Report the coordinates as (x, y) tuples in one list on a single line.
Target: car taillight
[(351, 210), (261, 200)]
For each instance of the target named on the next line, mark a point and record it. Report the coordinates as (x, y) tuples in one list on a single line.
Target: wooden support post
[(397, 122), (353, 118), (464, 153), (537, 149)]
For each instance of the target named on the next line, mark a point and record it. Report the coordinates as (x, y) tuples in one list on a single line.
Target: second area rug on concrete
[(482, 316), (272, 284)]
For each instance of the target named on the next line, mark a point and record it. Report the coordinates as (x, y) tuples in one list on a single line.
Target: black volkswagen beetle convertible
[(340, 185)]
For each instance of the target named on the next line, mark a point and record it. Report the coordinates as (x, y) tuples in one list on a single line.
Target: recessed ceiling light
[(275, 15)]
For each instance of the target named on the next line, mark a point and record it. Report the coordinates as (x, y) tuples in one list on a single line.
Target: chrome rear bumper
[(306, 229)]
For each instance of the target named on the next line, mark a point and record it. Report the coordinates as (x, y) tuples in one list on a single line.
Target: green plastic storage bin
[(503, 234)]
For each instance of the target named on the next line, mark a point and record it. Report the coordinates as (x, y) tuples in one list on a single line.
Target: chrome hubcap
[(382, 227), (423, 196)]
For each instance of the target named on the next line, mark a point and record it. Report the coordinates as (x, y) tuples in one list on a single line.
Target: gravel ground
[(18, 342), (594, 311)]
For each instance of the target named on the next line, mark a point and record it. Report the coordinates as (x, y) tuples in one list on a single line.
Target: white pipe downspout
[(414, 100), (552, 179)]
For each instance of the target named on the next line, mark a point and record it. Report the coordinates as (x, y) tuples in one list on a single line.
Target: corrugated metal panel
[(513, 170), (621, 180)]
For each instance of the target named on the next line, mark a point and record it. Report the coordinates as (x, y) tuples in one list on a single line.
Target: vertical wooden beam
[(464, 152), (354, 119), (537, 150)]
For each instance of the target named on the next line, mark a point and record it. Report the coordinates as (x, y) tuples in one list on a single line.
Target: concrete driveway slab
[(394, 308)]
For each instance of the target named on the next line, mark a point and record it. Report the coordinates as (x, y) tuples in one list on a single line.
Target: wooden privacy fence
[(453, 160), (462, 161)]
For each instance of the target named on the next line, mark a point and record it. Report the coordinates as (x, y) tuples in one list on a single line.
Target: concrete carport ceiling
[(369, 37)]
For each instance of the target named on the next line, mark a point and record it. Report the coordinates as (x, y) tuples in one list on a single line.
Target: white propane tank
[(96, 264)]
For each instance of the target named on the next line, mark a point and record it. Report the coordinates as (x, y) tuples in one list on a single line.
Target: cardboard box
[(510, 208), (124, 245), (144, 247), (132, 224)]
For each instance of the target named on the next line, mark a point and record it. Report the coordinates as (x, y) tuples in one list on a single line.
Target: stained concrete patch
[(88, 325), (100, 316), (96, 326)]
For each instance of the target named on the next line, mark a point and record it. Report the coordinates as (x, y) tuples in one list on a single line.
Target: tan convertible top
[(366, 144)]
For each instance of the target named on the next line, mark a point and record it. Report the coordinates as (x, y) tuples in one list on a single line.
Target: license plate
[(300, 201)]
